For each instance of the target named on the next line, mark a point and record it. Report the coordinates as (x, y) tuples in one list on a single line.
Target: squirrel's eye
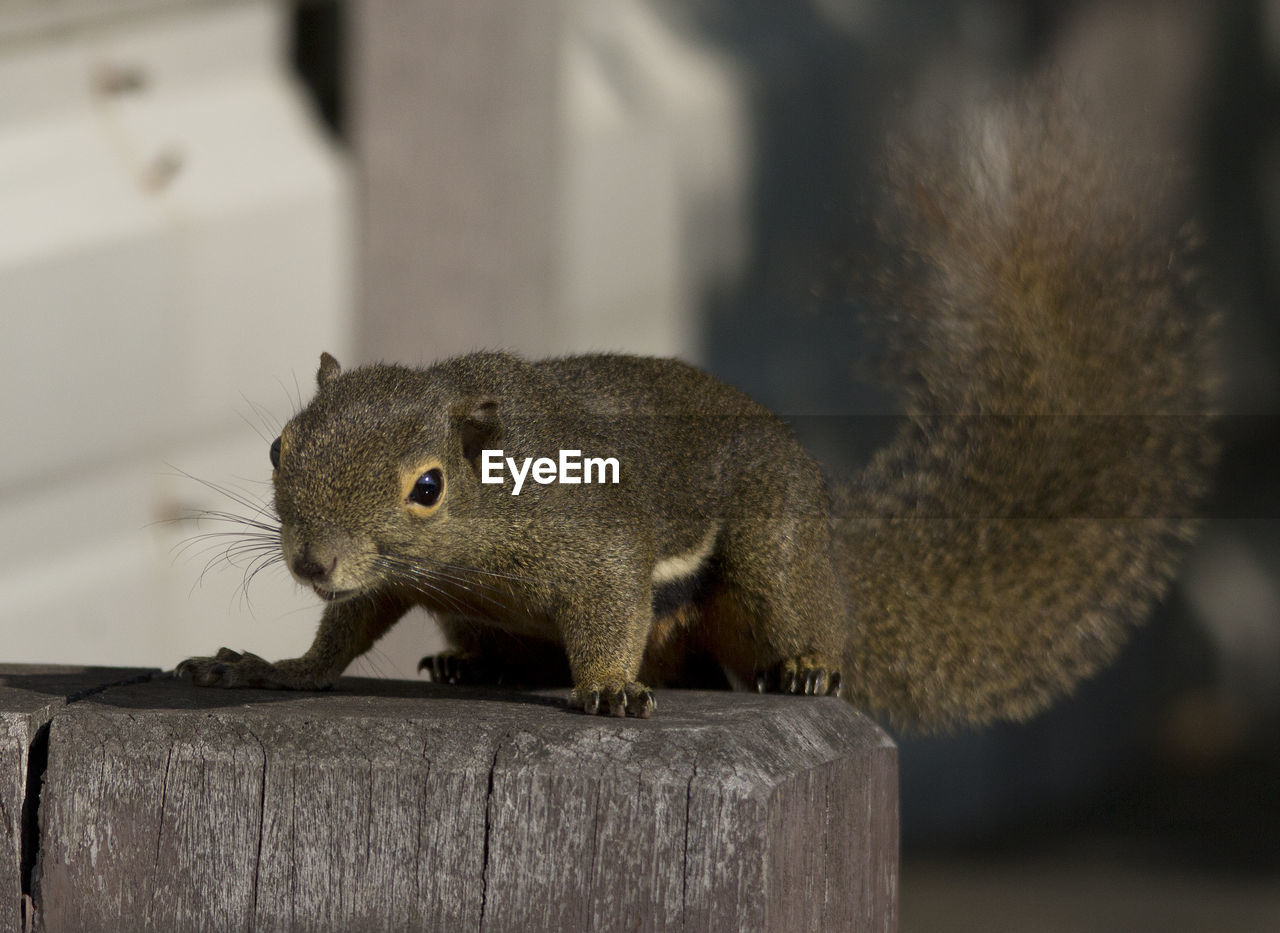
[(275, 454), (427, 489)]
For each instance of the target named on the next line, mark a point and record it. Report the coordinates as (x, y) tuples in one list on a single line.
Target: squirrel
[(1026, 516)]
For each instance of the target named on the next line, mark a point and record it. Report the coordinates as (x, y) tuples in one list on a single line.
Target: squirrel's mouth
[(330, 596)]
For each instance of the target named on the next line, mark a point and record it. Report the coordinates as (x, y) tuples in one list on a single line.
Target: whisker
[(264, 537), (431, 589), (428, 584), (491, 573), (202, 517), (255, 428), (438, 569), (266, 420), (404, 570), (259, 564), (262, 516), (239, 545), (462, 568), (240, 497), (295, 399), (252, 543)]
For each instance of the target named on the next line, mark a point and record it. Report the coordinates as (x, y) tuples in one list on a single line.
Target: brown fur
[(1008, 539)]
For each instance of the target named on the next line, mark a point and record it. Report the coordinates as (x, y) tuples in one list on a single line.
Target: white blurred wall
[(175, 244)]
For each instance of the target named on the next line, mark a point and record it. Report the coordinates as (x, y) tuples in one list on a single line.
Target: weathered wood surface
[(405, 806), (30, 695)]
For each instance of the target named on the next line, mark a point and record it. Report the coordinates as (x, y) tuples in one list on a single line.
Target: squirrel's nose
[(307, 568)]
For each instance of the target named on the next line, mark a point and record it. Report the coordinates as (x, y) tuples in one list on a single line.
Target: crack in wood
[(488, 821), (262, 827), (684, 849), (37, 763)]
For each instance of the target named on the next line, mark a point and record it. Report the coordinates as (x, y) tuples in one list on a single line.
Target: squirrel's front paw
[(230, 668), (807, 674), (623, 699)]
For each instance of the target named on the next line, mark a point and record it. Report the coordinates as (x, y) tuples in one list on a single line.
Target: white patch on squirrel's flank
[(681, 566)]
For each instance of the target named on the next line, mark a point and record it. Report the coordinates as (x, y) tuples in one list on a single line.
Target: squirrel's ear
[(328, 371), (480, 428)]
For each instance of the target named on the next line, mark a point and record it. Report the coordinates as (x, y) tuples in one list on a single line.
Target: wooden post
[(30, 696), (389, 805)]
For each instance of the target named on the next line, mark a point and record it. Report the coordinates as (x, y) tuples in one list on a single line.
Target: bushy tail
[(1034, 509)]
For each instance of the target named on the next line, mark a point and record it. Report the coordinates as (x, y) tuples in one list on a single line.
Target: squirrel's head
[(372, 475)]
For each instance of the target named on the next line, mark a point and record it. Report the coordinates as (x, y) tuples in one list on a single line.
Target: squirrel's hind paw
[(629, 699), (807, 674), (456, 667)]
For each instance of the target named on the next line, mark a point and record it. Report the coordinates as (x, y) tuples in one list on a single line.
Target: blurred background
[(197, 197)]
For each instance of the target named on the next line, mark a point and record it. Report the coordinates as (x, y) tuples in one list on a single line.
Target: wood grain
[(404, 806)]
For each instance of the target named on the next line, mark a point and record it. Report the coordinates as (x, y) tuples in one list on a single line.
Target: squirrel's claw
[(804, 675), (628, 699), (455, 667)]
